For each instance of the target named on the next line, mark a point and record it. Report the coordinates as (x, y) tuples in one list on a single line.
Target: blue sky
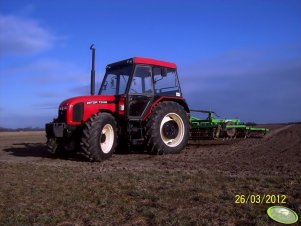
[(238, 58)]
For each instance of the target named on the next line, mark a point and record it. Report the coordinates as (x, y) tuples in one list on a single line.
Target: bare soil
[(196, 187)]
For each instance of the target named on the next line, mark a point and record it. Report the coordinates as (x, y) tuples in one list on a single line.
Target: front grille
[(62, 116), (78, 112)]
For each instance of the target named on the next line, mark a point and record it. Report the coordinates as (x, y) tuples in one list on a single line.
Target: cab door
[(140, 92)]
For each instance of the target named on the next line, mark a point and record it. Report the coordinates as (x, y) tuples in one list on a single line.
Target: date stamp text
[(260, 199)]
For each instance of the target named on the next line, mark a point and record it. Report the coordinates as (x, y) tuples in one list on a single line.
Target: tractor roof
[(142, 60)]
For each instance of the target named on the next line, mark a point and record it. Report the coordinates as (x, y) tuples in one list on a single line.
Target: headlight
[(64, 107)]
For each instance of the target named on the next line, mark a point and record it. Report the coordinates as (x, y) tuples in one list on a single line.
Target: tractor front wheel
[(167, 129), (99, 137), (55, 148), (52, 145)]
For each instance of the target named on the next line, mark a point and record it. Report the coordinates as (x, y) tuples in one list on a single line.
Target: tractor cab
[(140, 81)]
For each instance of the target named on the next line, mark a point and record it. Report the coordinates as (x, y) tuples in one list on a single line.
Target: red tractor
[(139, 103)]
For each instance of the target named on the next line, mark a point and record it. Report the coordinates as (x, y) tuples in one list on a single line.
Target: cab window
[(166, 81), (142, 80)]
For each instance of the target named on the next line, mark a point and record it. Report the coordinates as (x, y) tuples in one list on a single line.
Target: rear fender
[(179, 100)]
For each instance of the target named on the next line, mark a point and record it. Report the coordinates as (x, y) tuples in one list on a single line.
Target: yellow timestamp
[(260, 199)]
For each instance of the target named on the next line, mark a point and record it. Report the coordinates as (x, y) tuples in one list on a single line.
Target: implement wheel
[(231, 132)]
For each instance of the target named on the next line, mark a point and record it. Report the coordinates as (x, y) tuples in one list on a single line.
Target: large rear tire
[(99, 137), (167, 129)]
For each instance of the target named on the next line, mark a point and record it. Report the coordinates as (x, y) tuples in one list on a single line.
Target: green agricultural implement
[(212, 127)]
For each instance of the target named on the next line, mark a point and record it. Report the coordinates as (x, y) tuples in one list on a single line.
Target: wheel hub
[(103, 138), (170, 129)]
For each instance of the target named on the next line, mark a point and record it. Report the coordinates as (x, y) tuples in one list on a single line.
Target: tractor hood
[(87, 100), (76, 110)]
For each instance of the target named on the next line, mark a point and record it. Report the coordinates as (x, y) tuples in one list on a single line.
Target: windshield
[(115, 80)]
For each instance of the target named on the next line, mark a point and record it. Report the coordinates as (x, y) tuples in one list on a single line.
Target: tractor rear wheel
[(167, 129), (99, 137)]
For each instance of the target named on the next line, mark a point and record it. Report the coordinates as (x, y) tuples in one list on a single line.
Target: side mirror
[(164, 72)]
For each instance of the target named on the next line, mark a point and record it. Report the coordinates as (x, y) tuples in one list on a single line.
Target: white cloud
[(23, 36)]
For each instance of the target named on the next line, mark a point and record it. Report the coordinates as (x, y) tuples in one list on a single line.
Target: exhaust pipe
[(92, 90)]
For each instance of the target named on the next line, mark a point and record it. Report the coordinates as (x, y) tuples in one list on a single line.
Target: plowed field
[(199, 186)]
